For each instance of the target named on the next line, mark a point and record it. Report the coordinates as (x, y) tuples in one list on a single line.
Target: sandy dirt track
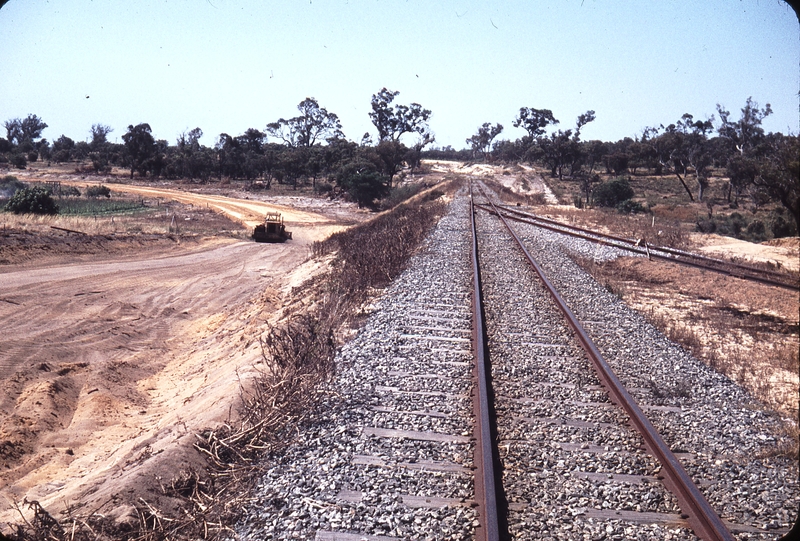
[(110, 367)]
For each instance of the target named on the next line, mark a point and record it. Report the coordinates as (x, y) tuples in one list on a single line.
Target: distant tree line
[(309, 148), (758, 164)]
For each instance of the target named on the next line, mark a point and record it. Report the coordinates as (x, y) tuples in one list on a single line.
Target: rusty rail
[(486, 488), (730, 268), (68, 230), (701, 517)]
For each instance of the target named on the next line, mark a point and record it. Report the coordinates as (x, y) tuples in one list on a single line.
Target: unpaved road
[(109, 368)]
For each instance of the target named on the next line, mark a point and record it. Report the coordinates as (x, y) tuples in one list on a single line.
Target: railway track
[(640, 246), (396, 452)]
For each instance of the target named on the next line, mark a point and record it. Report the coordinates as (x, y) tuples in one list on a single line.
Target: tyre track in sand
[(110, 368)]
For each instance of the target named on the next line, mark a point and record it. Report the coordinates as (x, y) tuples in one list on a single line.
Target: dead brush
[(656, 230)]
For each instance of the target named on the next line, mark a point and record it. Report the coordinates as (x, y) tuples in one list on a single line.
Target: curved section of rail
[(744, 272), (486, 488), (701, 517)]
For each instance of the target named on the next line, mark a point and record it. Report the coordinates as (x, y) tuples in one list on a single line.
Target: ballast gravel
[(409, 369), (389, 453)]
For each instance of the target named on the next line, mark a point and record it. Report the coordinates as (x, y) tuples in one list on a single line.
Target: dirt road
[(109, 368)]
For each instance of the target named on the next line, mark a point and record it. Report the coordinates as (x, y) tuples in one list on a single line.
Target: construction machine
[(272, 230)]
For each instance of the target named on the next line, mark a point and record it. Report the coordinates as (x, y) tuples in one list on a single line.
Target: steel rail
[(683, 258), (486, 488), (665, 249), (703, 520)]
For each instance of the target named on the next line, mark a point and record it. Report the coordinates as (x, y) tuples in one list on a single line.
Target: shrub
[(629, 206), (363, 182), (33, 156), (611, 194), (98, 191), (706, 226), (433, 195), (400, 193), (756, 229), (35, 200), (9, 185), (324, 187), (19, 161), (781, 228), (61, 156)]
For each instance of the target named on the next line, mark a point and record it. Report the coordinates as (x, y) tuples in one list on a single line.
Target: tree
[(746, 133), (391, 155), (697, 150), (482, 141), (595, 151), (99, 136), (780, 170), (583, 120), (534, 121), (140, 147), (24, 131), (62, 149), (190, 160), (393, 122), (666, 147), (558, 150), (742, 172), (363, 182), (313, 124)]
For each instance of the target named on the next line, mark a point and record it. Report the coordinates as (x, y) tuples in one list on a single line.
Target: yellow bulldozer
[(272, 230)]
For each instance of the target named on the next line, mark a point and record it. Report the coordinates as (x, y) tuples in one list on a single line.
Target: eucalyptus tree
[(140, 147), (481, 142), (394, 121), (24, 132), (534, 121), (314, 124)]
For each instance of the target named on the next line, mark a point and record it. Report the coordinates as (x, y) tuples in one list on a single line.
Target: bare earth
[(110, 367)]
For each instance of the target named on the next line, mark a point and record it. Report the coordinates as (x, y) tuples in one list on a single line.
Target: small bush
[(19, 161), (33, 156), (324, 187), (400, 193), (629, 206), (9, 185), (611, 194), (706, 226), (35, 200), (756, 229), (781, 228), (433, 195), (98, 191)]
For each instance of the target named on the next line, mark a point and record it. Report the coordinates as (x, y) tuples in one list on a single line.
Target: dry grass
[(659, 231), (746, 331)]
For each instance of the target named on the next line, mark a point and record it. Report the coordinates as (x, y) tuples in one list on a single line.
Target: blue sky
[(227, 65)]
